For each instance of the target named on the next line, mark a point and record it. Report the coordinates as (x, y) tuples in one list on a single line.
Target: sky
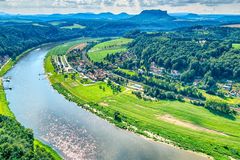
[(118, 6)]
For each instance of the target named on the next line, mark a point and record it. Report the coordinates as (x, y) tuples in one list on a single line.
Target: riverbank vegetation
[(18, 142), (4, 109), (179, 121)]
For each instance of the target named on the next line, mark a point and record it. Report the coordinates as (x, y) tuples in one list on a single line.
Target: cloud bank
[(132, 6)]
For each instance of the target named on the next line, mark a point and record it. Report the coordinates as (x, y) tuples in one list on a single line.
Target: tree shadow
[(227, 116)]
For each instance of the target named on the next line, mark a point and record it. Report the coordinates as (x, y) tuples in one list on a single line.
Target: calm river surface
[(69, 129)]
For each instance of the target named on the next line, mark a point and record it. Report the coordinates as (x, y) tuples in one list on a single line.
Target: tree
[(73, 77), (219, 106), (117, 116), (188, 76), (65, 76)]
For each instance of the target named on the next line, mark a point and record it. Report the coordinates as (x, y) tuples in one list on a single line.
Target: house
[(197, 81), (140, 71), (156, 70), (175, 74), (227, 87), (136, 86)]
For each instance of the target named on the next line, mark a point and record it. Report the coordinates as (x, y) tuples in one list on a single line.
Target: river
[(69, 129)]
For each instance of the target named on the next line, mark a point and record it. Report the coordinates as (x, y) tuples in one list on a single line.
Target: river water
[(70, 130)]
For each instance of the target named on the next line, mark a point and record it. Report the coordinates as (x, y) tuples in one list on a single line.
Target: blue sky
[(117, 6)]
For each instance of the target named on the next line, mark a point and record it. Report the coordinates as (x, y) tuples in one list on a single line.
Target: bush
[(219, 106)]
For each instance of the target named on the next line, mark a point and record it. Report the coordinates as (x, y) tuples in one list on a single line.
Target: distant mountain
[(107, 15), (90, 16), (230, 19), (152, 16), (221, 18), (178, 14), (192, 16)]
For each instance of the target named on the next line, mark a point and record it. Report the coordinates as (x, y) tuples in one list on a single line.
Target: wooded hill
[(195, 52)]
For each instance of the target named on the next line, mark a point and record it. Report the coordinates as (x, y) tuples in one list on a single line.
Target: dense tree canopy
[(16, 142), (194, 52)]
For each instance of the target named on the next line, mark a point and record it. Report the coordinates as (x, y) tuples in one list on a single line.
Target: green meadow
[(236, 46), (101, 50), (74, 26), (127, 71), (62, 49), (56, 23), (4, 109), (230, 100)]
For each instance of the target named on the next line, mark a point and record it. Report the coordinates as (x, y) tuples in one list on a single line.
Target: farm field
[(62, 49), (74, 26), (185, 125), (100, 51), (55, 23), (232, 25), (236, 46)]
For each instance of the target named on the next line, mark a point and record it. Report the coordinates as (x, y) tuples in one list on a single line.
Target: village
[(160, 71), (227, 86), (87, 70), (231, 90)]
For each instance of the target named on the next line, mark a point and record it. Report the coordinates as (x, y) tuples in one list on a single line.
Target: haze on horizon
[(129, 6)]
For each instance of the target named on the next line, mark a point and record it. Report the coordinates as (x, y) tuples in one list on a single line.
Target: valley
[(114, 98), (152, 85)]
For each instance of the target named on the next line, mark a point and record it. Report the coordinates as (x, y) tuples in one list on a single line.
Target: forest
[(195, 52), (18, 37), (17, 142)]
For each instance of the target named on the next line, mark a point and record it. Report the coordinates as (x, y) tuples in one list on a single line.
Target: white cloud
[(132, 6)]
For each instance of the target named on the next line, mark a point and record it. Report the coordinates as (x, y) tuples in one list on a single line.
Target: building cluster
[(228, 86), (157, 70), (234, 93), (62, 64), (154, 69), (175, 74), (89, 71), (97, 75)]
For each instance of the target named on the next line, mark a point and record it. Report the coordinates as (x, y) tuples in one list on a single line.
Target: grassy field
[(4, 109), (129, 72), (194, 128), (74, 26), (232, 26), (62, 49), (100, 51), (236, 46), (56, 23), (6, 67), (235, 100)]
